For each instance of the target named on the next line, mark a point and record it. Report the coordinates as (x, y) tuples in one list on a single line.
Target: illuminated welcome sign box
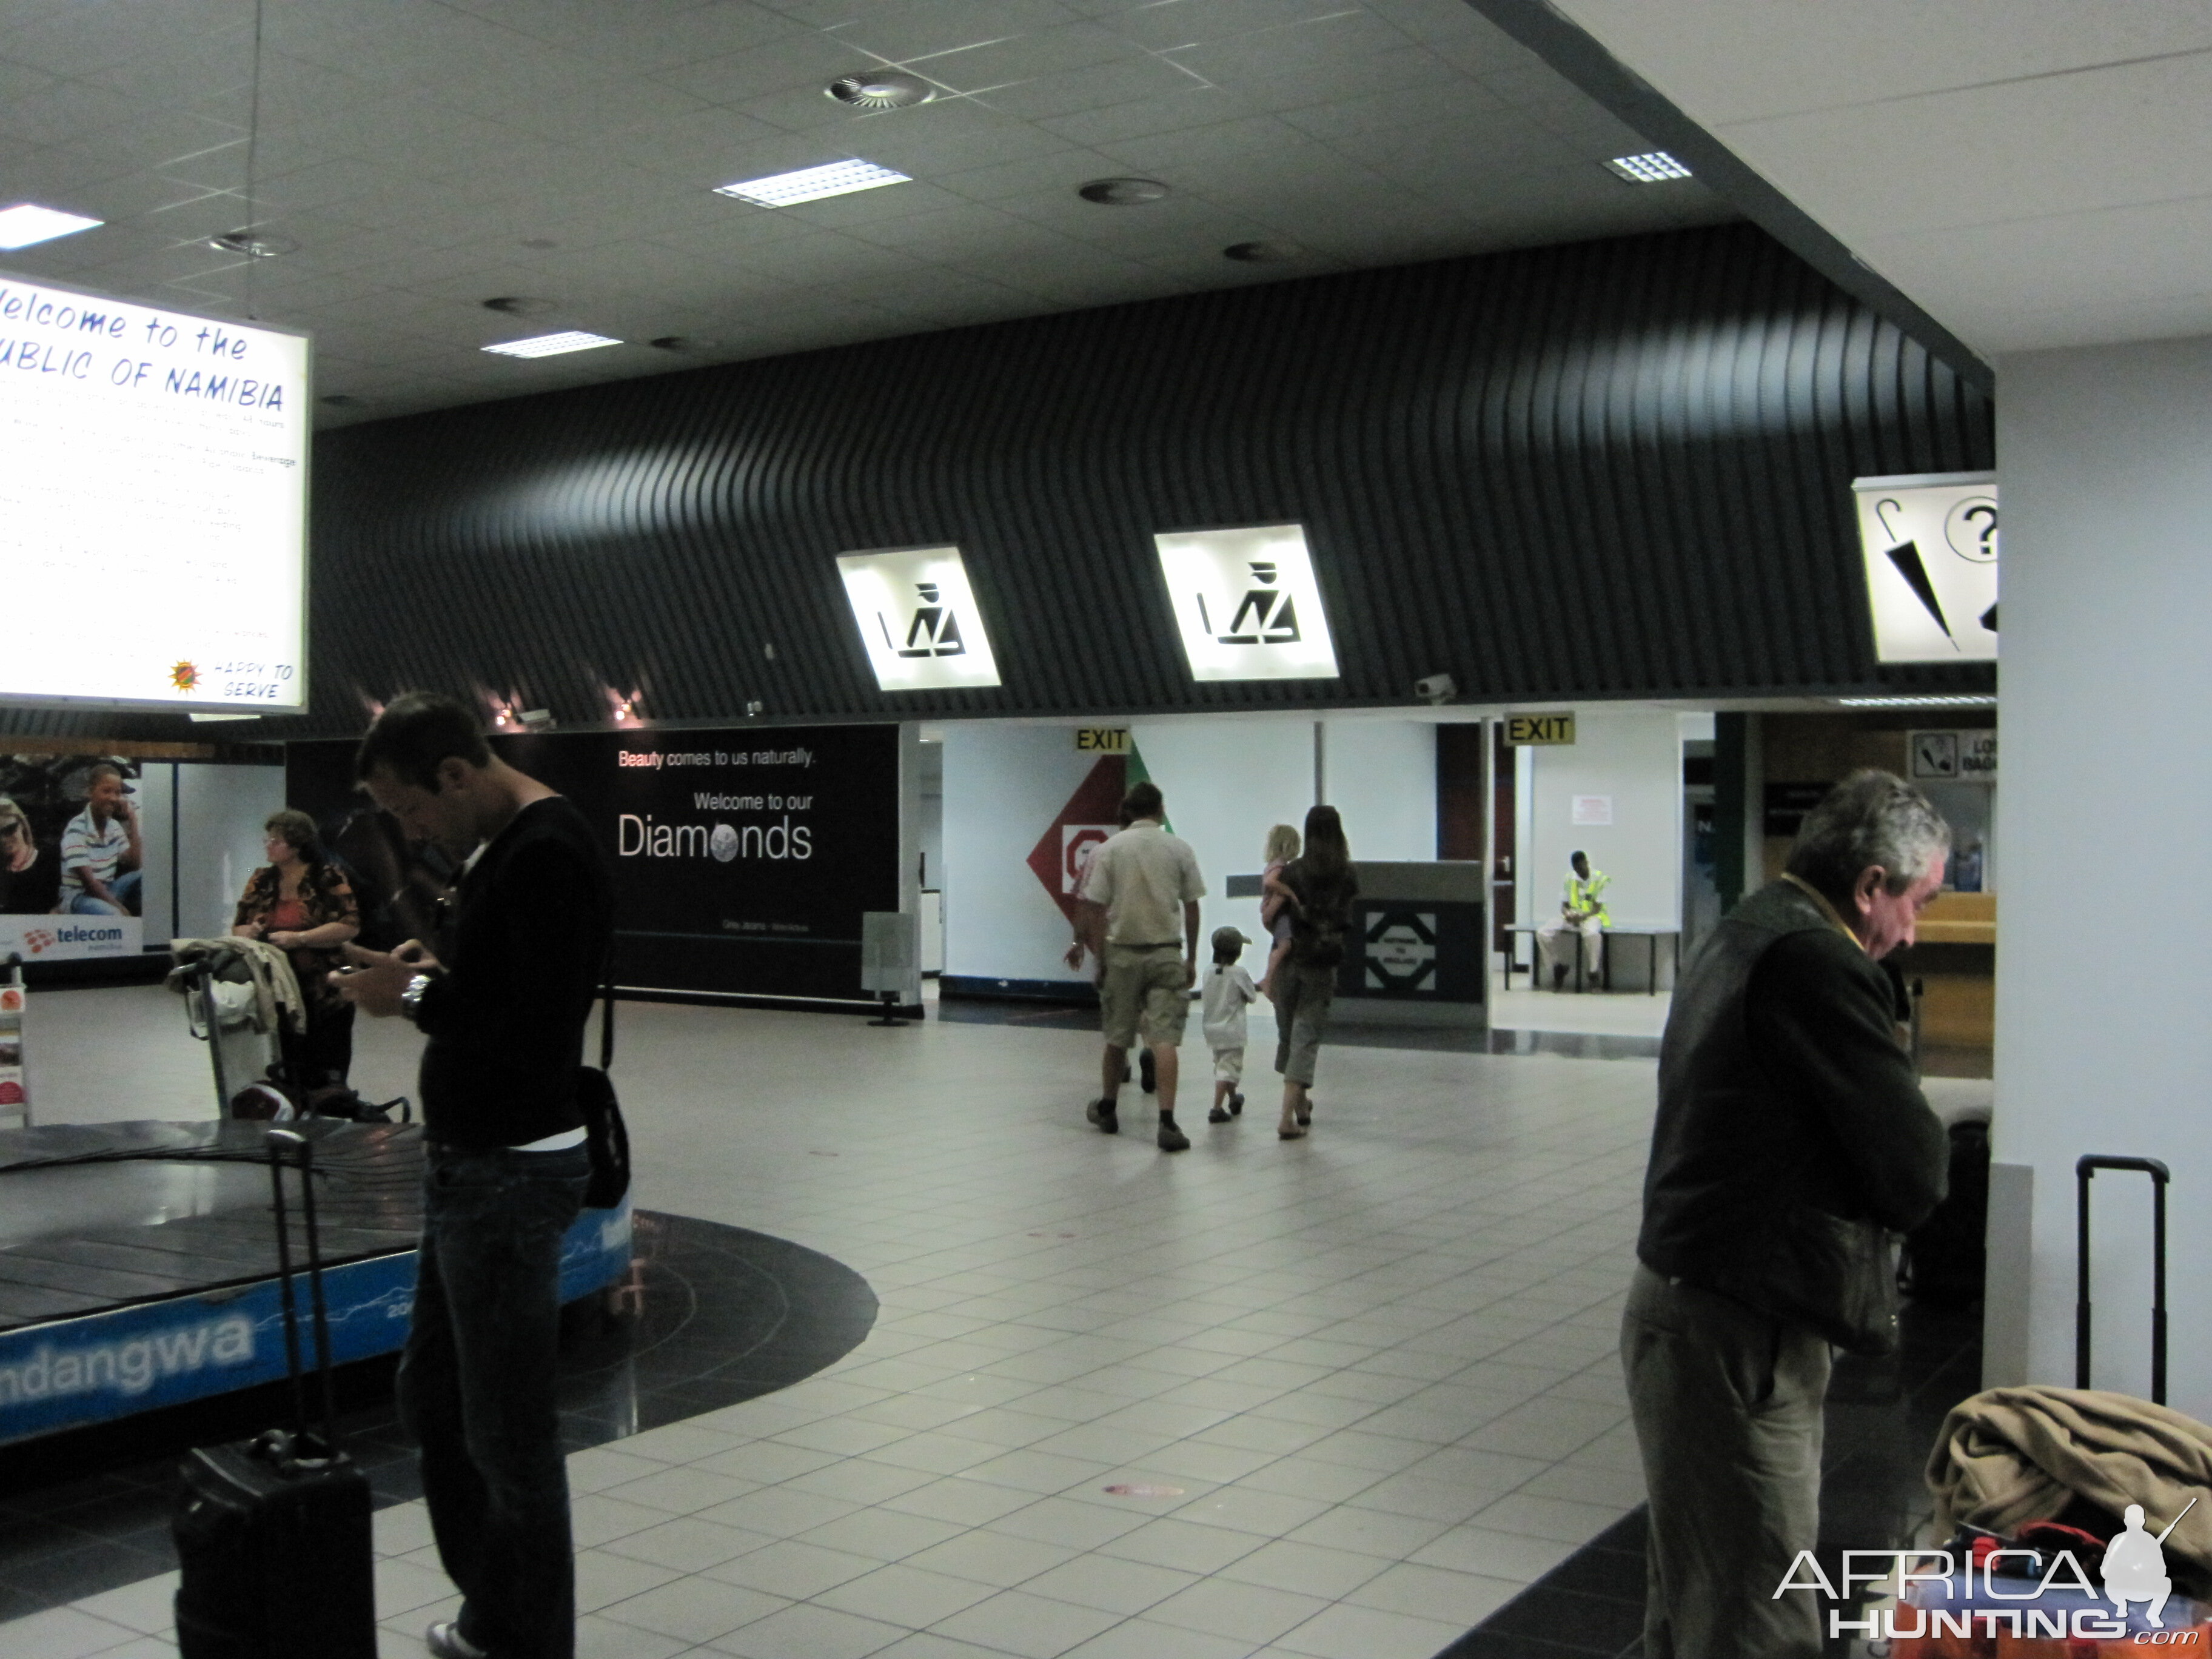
[(153, 505)]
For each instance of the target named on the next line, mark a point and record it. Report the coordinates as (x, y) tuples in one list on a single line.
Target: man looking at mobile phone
[(503, 998)]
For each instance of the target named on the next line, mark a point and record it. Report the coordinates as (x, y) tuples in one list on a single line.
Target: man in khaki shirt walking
[(1140, 893)]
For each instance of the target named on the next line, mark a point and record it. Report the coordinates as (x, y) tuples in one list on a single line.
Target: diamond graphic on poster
[(918, 619), (1402, 951), (1062, 853), (1247, 604), (1078, 842)]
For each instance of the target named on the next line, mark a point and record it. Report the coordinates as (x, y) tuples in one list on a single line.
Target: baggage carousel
[(138, 1260)]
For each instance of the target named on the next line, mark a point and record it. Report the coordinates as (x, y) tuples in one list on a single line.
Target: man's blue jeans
[(476, 1390)]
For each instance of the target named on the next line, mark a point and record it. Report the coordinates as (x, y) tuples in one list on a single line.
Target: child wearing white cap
[(1229, 990)]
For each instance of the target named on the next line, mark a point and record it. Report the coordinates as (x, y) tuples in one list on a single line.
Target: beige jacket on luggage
[(2007, 1457)]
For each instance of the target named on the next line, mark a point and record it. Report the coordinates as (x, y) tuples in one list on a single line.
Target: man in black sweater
[(1792, 1136), (503, 998)]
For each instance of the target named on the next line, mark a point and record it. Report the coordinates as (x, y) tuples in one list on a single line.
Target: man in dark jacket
[(503, 1002), (1791, 1138)]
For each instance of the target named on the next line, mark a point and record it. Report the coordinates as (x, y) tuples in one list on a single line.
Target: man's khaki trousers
[(1727, 1406), (1558, 953)]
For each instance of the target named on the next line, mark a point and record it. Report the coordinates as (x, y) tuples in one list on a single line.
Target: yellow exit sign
[(1527, 731), (1102, 740)]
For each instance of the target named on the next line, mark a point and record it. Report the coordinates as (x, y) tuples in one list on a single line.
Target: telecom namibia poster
[(71, 854)]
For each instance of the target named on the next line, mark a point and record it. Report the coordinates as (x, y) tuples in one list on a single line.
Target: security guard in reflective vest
[(1582, 908)]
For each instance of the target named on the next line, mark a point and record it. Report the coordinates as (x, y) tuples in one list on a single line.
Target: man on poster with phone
[(503, 1000), (101, 852)]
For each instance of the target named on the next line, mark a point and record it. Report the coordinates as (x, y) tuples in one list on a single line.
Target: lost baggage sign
[(1952, 757)]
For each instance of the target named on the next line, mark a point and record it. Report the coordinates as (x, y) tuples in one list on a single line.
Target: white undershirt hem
[(559, 1143)]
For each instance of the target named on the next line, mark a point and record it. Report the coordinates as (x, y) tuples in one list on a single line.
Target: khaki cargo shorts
[(1143, 990)]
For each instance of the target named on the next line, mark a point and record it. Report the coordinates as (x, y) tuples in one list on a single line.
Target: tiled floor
[(1356, 1392)]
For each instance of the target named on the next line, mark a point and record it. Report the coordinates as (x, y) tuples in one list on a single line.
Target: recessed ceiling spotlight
[(253, 244), (552, 345), (1653, 167), (884, 90), (683, 343), (1122, 193), (1259, 254), (520, 305), (811, 184), (27, 223)]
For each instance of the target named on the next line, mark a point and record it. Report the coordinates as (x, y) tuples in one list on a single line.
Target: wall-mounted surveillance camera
[(1436, 689)]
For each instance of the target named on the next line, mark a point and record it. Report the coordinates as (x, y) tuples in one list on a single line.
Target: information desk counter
[(1954, 956), (1416, 954)]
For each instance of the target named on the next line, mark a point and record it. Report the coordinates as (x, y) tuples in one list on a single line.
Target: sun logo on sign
[(185, 676)]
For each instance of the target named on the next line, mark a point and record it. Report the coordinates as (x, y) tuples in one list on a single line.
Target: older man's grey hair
[(1871, 818)]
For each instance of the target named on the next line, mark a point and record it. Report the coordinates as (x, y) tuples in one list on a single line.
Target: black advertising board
[(743, 858)]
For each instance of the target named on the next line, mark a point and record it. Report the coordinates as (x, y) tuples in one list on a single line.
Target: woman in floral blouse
[(300, 901)]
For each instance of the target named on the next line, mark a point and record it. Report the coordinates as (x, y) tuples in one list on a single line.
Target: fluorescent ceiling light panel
[(552, 345), (26, 224), (1917, 702), (811, 184), (1653, 167)]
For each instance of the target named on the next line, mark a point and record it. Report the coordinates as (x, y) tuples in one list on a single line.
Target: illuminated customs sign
[(918, 619), (152, 505), (1931, 565), (1247, 604)]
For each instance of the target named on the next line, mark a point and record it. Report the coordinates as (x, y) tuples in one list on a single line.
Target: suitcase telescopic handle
[(289, 1145), (2085, 1168)]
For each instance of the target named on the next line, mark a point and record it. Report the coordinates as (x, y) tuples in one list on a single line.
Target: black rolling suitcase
[(272, 1532), (2084, 1169)]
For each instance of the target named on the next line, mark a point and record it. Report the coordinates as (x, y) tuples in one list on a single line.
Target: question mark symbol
[(1972, 530), (1986, 540)]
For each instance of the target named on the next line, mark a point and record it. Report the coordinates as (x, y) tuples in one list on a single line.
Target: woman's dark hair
[(299, 832), (1326, 855), (417, 731)]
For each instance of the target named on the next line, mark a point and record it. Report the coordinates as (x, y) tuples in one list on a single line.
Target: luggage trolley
[(222, 1007)]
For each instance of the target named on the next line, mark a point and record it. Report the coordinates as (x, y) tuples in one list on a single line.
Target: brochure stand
[(15, 1087)]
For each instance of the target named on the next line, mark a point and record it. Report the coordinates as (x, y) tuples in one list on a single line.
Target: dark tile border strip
[(1346, 1029), (711, 1315)]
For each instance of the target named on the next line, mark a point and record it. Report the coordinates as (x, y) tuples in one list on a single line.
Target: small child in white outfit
[(1228, 989)]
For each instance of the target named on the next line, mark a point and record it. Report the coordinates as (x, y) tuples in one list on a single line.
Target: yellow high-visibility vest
[(1585, 895)]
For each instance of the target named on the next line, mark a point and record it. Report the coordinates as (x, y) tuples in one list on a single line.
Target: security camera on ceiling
[(1436, 689)]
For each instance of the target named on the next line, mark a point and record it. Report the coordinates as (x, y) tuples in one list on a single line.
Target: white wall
[(2106, 458), (1634, 756), (1382, 775), (1003, 785), (1227, 779), (220, 812)]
